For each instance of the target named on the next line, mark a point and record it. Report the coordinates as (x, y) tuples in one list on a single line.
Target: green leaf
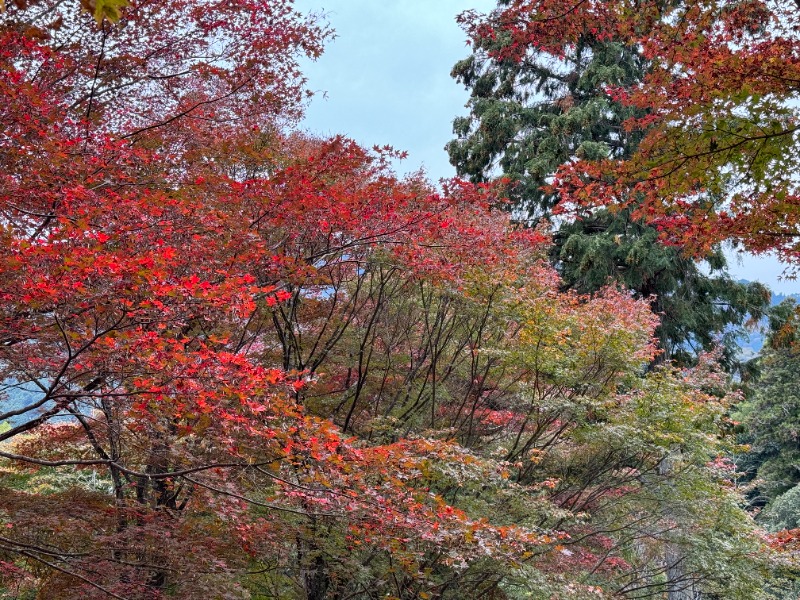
[(105, 9)]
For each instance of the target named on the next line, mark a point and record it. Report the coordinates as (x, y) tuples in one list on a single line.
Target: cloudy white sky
[(385, 79)]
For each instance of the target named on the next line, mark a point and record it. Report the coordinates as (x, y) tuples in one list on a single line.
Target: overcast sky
[(385, 79)]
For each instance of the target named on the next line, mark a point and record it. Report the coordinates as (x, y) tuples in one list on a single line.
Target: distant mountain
[(15, 399), (754, 341), (778, 298)]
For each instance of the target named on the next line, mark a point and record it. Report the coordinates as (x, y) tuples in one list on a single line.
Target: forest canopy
[(241, 361)]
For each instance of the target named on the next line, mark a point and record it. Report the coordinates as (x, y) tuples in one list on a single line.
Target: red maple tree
[(243, 348)]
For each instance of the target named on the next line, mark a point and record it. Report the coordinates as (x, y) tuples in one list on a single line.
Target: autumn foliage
[(254, 363), (719, 131)]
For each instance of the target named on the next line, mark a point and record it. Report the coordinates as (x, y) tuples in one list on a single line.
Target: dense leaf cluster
[(535, 108), (248, 363)]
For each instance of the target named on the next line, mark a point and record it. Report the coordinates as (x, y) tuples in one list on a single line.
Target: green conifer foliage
[(530, 116), (771, 422)]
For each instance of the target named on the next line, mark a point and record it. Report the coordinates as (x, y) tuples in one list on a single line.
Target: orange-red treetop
[(202, 293), (718, 159)]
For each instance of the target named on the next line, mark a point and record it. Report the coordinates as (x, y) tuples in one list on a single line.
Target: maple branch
[(368, 240), (566, 13), (132, 82), (526, 19), (66, 571), (55, 463), (24, 409), (684, 581), (187, 111), (49, 393), (259, 503), (684, 158), (90, 434), (113, 463), (99, 61), (167, 475), (32, 424)]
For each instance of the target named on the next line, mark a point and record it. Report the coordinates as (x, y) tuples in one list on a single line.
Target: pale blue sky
[(385, 79)]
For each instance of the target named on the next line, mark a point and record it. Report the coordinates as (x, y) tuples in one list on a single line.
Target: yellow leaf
[(104, 9)]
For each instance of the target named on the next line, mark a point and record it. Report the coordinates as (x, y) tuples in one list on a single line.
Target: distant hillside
[(16, 398), (778, 298), (753, 343)]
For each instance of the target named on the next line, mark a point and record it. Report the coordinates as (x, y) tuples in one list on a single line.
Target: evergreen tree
[(771, 421), (530, 114)]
